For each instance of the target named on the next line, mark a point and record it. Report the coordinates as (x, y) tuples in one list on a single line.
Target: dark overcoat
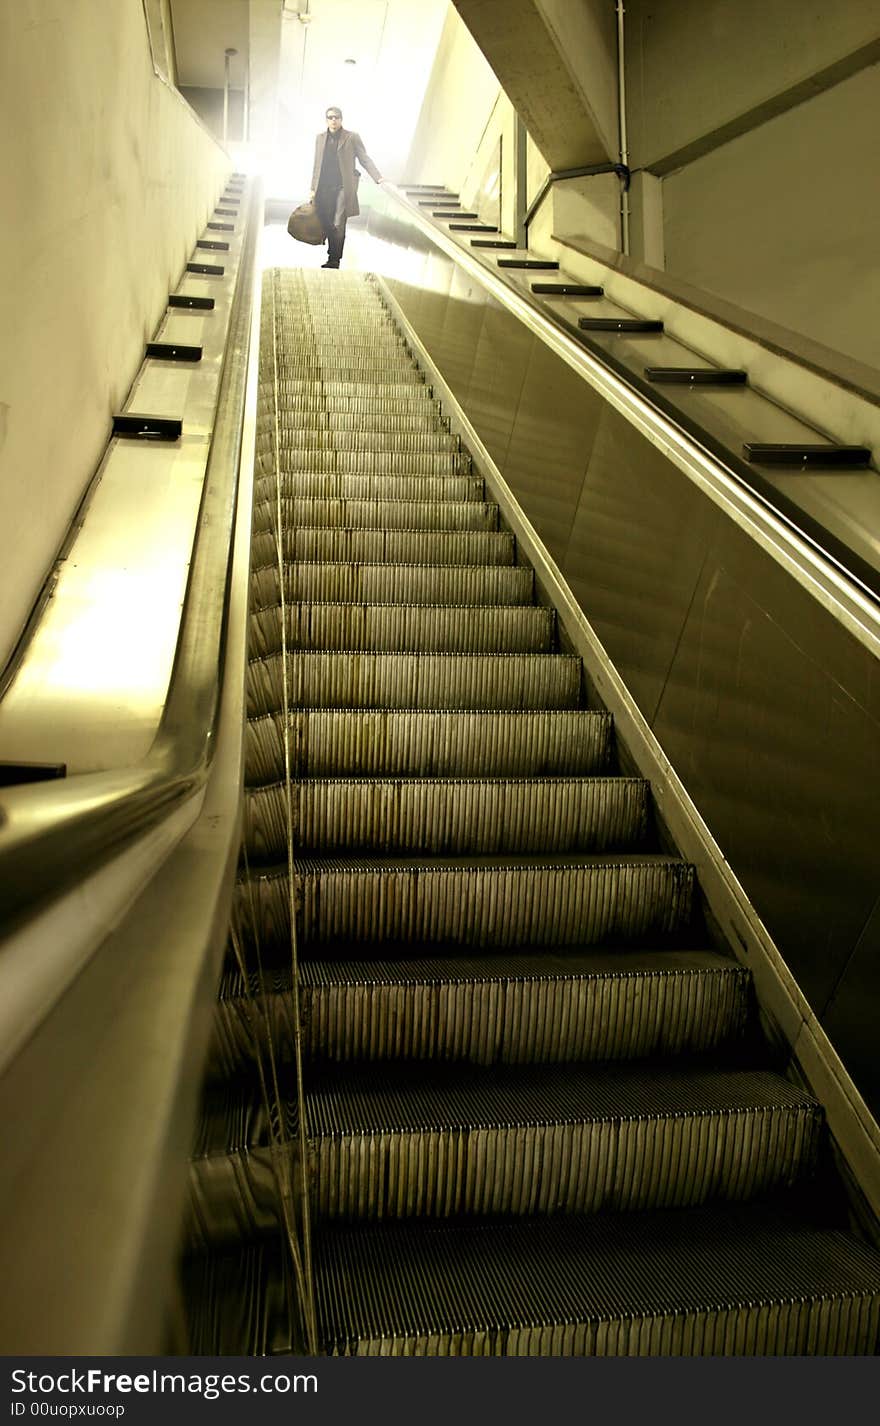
[(350, 148)]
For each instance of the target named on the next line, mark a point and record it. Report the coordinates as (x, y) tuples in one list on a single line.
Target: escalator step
[(481, 902), (724, 1280), (304, 445), (331, 583), (335, 546), (520, 1007), (379, 680), (447, 817), (304, 485), (334, 742), (437, 1141), (432, 462), (399, 628), (371, 514)]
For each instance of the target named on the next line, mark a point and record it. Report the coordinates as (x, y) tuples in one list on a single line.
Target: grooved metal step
[(331, 583), (304, 484), (365, 463), (339, 546), (378, 680), (518, 1007), (436, 1141), (405, 628), (420, 742), (448, 817), (302, 445), (312, 512), (299, 423), (305, 397), (483, 902), (724, 1280)]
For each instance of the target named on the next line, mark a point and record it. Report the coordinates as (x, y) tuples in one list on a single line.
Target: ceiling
[(203, 29)]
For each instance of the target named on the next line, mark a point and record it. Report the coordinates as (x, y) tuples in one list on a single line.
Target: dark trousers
[(326, 203)]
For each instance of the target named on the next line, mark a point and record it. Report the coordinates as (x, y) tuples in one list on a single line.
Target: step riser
[(303, 445), (298, 424), (388, 584), (476, 906), (429, 744), (364, 463), (615, 1165), (499, 1022), (472, 547), (403, 628), (351, 397), (452, 681), (448, 818), (778, 1329), (251, 1284), (440, 515), (492, 1022), (306, 486)]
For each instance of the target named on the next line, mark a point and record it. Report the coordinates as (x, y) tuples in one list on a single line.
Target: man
[(335, 180)]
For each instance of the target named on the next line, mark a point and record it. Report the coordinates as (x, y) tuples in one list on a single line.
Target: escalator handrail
[(55, 834), (850, 601)]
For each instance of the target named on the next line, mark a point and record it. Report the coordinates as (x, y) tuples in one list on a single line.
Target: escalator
[(484, 1079)]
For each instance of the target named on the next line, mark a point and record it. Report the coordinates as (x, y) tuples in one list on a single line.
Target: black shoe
[(329, 264)]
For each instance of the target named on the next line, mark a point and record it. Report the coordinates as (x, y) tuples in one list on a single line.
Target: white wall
[(464, 113), (108, 179)]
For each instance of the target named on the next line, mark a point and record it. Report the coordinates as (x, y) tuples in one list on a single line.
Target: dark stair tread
[(416, 1280), (361, 965), (403, 1097)]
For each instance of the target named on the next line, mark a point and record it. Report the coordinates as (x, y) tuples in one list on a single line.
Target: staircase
[(539, 1118)]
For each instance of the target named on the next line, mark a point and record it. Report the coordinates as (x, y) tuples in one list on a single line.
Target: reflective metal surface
[(93, 681), (771, 720)]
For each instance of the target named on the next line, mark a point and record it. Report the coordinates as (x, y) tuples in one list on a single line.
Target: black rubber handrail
[(55, 834)]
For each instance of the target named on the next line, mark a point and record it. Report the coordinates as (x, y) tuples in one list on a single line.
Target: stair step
[(379, 680), (471, 227), (304, 485), (303, 445), (311, 396), (488, 243), (332, 583), (447, 816), (528, 263), (478, 902), (405, 1141), (299, 424), (349, 371), (340, 546), (437, 1141), (723, 1280), (410, 628), (427, 743), (370, 514), (518, 1008), (619, 324), (447, 214), (364, 462)]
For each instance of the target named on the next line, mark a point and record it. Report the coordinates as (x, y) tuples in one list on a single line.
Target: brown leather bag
[(305, 225)]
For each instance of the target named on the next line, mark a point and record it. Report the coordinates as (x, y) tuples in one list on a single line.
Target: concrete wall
[(761, 121), (785, 220), (108, 179), (464, 114)]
